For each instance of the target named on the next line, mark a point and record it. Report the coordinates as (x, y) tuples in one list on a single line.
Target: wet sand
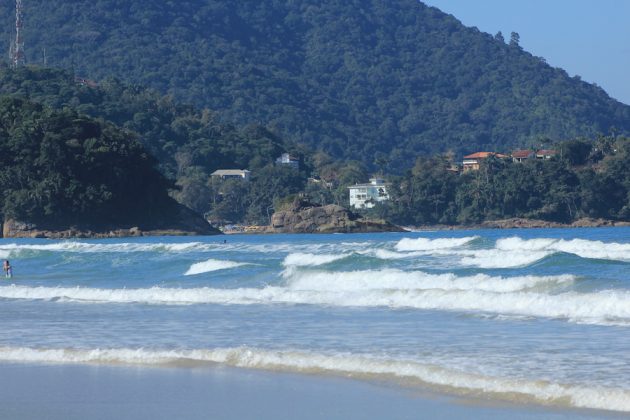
[(68, 392)]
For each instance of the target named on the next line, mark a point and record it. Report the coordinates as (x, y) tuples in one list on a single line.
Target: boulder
[(306, 217)]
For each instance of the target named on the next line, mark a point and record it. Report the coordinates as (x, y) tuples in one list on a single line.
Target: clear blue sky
[(589, 38)]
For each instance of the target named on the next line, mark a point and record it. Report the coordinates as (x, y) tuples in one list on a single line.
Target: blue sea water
[(540, 315)]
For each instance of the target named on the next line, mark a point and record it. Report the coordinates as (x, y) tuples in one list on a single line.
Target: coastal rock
[(184, 223), (306, 217)]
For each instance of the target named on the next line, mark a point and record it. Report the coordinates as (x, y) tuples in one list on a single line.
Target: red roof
[(545, 152), (484, 155), (522, 154)]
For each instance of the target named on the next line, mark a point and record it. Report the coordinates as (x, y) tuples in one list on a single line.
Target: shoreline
[(512, 223), (71, 391)]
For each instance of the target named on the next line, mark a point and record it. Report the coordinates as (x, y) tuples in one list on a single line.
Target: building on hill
[(321, 182), (224, 174), (546, 154), (472, 162), (522, 155), (288, 160), (365, 196)]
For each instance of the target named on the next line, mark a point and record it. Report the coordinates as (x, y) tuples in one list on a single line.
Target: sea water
[(540, 315)]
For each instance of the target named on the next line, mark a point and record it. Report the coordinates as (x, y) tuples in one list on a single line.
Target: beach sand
[(68, 392)]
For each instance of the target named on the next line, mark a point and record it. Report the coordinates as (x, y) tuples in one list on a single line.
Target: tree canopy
[(59, 168), (376, 81)]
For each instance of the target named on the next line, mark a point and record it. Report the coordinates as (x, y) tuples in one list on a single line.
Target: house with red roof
[(546, 154), (472, 162), (522, 155)]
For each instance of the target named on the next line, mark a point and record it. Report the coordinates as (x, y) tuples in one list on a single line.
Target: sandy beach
[(68, 392)]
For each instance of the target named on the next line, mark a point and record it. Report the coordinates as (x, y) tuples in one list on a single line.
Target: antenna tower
[(17, 49)]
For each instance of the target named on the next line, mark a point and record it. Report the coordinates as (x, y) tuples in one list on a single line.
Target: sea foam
[(425, 244), (86, 247), (527, 295), (303, 259), (580, 247), (428, 374), (211, 265)]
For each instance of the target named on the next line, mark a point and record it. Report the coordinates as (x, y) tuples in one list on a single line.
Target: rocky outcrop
[(184, 222), (305, 217)]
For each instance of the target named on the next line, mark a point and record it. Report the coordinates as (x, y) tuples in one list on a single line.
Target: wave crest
[(426, 244), (527, 295), (440, 377), (303, 260), (211, 265)]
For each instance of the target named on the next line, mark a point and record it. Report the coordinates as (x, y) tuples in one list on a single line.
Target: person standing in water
[(8, 271)]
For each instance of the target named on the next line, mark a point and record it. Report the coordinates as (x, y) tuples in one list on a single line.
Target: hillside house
[(224, 174), (520, 156), (545, 154), (365, 196), (472, 162), (288, 160)]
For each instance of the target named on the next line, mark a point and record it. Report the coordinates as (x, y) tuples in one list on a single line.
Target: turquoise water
[(536, 315)]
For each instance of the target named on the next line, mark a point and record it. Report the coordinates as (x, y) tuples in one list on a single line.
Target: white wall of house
[(365, 196)]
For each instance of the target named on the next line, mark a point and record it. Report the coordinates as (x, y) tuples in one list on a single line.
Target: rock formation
[(185, 222), (306, 217)]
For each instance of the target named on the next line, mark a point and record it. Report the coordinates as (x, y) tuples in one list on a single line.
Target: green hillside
[(378, 81), (59, 169), (188, 143)]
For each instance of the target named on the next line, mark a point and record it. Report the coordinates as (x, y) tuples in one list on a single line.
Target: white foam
[(303, 260), (496, 258), (425, 244), (211, 265), (441, 377), (86, 247), (580, 247), (471, 294), (393, 280)]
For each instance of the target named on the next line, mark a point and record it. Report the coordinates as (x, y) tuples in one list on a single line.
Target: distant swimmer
[(8, 271)]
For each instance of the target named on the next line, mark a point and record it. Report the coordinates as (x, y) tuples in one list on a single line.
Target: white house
[(364, 196), (287, 159), (231, 174)]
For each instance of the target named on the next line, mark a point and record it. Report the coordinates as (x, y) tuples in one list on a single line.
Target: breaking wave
[(526, 295), (361, 366), (496, 258), (507, 253), (303, 260), (580, 247), (425, 244), (398, 280), (72, 246), (211, 265)]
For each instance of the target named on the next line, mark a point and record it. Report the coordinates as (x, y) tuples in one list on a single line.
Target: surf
[(363, 366)]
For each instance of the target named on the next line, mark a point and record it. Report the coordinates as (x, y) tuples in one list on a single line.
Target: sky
[(589, 38)]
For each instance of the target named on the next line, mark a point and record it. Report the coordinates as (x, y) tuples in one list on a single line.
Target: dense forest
[(375, 81), (60, 169), (587, 179)]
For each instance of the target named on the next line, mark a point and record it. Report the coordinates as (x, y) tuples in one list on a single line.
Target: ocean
[(538, 316)]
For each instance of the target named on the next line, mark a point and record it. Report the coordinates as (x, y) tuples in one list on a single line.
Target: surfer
[(8, 271)]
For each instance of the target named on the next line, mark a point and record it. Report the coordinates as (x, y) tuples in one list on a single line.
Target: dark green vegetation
[(61, 169), (379, 81), (588, 180), (189, 144)]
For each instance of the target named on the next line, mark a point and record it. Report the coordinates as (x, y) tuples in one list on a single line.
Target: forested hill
[(61, 170), (375, 80)]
